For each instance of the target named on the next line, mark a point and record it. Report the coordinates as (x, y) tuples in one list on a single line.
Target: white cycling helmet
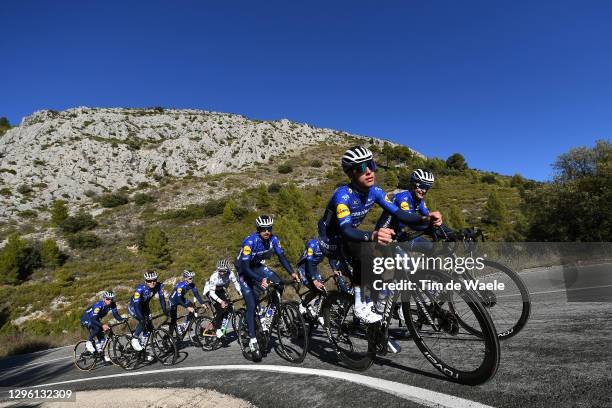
[(356, 156), (150, 275), (422, 178), (109, 294), (264, 221), (223, 265), (188, 274)]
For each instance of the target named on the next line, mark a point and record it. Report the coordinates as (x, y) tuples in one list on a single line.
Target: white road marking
[(17, 367), (570, 289), (415, 394)]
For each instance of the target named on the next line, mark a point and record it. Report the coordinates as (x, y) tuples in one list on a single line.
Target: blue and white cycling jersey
[(347, 209), (256, 250), (142, 296), (180, 290), (98, 310), (406, 202)]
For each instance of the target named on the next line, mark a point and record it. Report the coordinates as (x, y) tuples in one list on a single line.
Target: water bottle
[(224, 324)]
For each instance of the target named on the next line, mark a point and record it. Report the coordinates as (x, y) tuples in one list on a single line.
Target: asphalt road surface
[(405, 379)]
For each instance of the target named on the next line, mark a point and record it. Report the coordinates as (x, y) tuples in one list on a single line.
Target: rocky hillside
[(86, 151)]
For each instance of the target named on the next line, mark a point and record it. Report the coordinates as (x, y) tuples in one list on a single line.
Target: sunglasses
[(152, 281), (421, 186), (266, 229), (363, 167)]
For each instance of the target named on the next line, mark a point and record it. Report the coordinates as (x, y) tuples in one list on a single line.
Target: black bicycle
[(312, 313), (432, 315), (113, 348), (206, 332), (509, 309), (159, 341), (185, 326), (281, 318)]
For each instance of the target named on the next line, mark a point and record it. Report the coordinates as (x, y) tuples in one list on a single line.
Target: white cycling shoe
[(366, 315), (136, 344), (90, 347), (253, 345), (219, 333), (303, 310)]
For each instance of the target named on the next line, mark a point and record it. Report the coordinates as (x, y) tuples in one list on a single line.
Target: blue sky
[(509, 84)]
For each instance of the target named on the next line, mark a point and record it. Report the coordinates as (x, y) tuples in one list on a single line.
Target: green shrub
[(489, 179), (274, 188), (143, 198), (456, 161), (50, 254), (17, 260), (79, 222), (59, 212), (495, 210), (84, 240), (28, 214), (285, 168), (111, 200), (24, 189), (154, 243), (91, 194), (6, 192)]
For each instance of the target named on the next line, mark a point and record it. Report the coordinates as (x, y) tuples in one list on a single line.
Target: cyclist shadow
[(320, 348), (182, 356), (382, 361)]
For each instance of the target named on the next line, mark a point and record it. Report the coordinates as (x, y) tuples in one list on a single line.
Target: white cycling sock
[(358, 301)]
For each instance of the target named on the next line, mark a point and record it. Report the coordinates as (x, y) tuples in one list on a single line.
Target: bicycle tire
[(83, 359), (164, 347), (208, 342), (506, 327), (290, 321), (486, 361), (123, 354), (340, 326)]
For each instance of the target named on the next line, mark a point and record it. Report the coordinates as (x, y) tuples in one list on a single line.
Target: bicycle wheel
[(292, 333), (121, 352), (164, 347), (205, 333), (433, 315), (509, 309), (83, 359), (243, 337), (349, 337)]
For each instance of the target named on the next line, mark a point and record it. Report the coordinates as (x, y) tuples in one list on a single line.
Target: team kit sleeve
[(162, 298), (116, 314), (382, 199), (235, 282), (281, 255), (196, 294)]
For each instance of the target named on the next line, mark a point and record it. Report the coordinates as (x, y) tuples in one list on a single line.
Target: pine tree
[(229, 215), (154, 244), (495, 210)]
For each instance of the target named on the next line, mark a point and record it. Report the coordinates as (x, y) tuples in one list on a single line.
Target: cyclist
[(253, 272), (346, 210), (139, 306), (215, 290), (310, 276), (177, 298), (413, 201), (92, 317)]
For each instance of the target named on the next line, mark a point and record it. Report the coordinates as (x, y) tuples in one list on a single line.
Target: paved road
[(336, 386)]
